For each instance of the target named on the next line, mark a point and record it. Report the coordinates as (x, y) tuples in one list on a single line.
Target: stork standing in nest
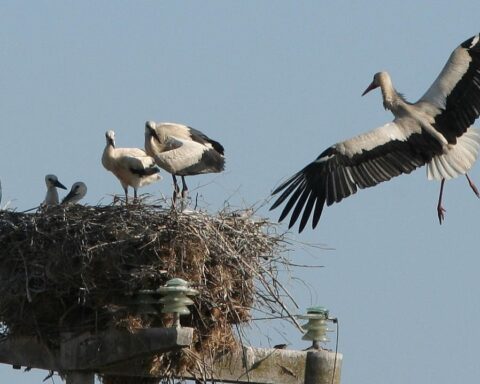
[(77, 193), (51, 198), (132, 166), (182, 151), (436, 130)]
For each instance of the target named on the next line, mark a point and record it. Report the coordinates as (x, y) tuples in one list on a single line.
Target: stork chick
[(77, 192), (132, 166), (51, 198)]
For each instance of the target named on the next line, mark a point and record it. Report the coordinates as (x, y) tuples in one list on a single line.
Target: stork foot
[(441, 213), (473, 186)]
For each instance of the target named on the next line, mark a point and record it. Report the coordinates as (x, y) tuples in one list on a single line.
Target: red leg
[(440, 210), (184, 188), (176, 190), (473, 186)]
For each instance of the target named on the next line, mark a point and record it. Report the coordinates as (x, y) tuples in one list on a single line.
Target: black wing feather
[(201, 138), (292, 200), (299, 206), (145, 171), (307, 211), (462, 106), (292, 183), (334, 176)]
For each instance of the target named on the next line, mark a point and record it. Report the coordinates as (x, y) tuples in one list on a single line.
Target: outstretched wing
[(363, 161), (456, 92)]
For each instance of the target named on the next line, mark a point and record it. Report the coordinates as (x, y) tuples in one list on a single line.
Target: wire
[(335, 321)]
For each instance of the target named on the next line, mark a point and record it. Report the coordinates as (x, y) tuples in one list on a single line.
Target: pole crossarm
[(274, 366), (27, 351), (259, 366), (91, 352), (120, 353)]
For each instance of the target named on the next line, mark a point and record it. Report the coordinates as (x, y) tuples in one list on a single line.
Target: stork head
[(150, 130), (110, 136), (378, 79), (78, 191), (52, 181), (150, 125)]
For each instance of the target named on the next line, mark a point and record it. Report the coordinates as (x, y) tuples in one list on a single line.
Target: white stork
[(51, 198), (132, 166), (182, 151), (77, 192), (436, 130)]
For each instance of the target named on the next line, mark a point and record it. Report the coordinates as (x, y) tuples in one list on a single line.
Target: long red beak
[(369, 88)]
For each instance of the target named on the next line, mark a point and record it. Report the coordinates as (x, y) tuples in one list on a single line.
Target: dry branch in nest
[(73, 269)]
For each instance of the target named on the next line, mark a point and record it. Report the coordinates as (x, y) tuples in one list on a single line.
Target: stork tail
[(459, 158)]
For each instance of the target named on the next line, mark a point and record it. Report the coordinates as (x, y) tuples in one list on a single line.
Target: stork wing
[(173, 143), (456, 92), (140, 165), (363, 161), (131, 152), (181, 131), (203, 139)]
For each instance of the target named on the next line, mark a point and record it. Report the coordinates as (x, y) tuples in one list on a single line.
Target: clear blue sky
[(276, 83)]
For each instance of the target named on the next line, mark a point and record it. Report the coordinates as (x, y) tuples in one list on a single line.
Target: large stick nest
[(77, 269)]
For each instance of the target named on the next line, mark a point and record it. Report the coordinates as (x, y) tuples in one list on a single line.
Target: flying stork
[(436, 130), (182, 151)]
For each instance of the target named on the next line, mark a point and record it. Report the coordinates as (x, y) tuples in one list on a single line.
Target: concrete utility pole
[(80, 378), (86, 355), (322, 368), (248, 365), (80, 357), (120, 353), (261, 366)]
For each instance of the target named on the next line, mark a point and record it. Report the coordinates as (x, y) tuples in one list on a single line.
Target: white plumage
[(77, 192), (436, 130), (182, 151), (52, 183), (132, 166), (457, 159)]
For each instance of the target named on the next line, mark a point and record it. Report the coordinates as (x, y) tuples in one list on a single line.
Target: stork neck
[(391, 98), (52, 195), (109, 151)]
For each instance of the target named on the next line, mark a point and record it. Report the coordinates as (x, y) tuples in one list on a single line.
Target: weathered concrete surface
[(89, 352), (275, 366), (80, 378), (92, 352), (261, 366), (320, 368), (109, 352), (28, 352)]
